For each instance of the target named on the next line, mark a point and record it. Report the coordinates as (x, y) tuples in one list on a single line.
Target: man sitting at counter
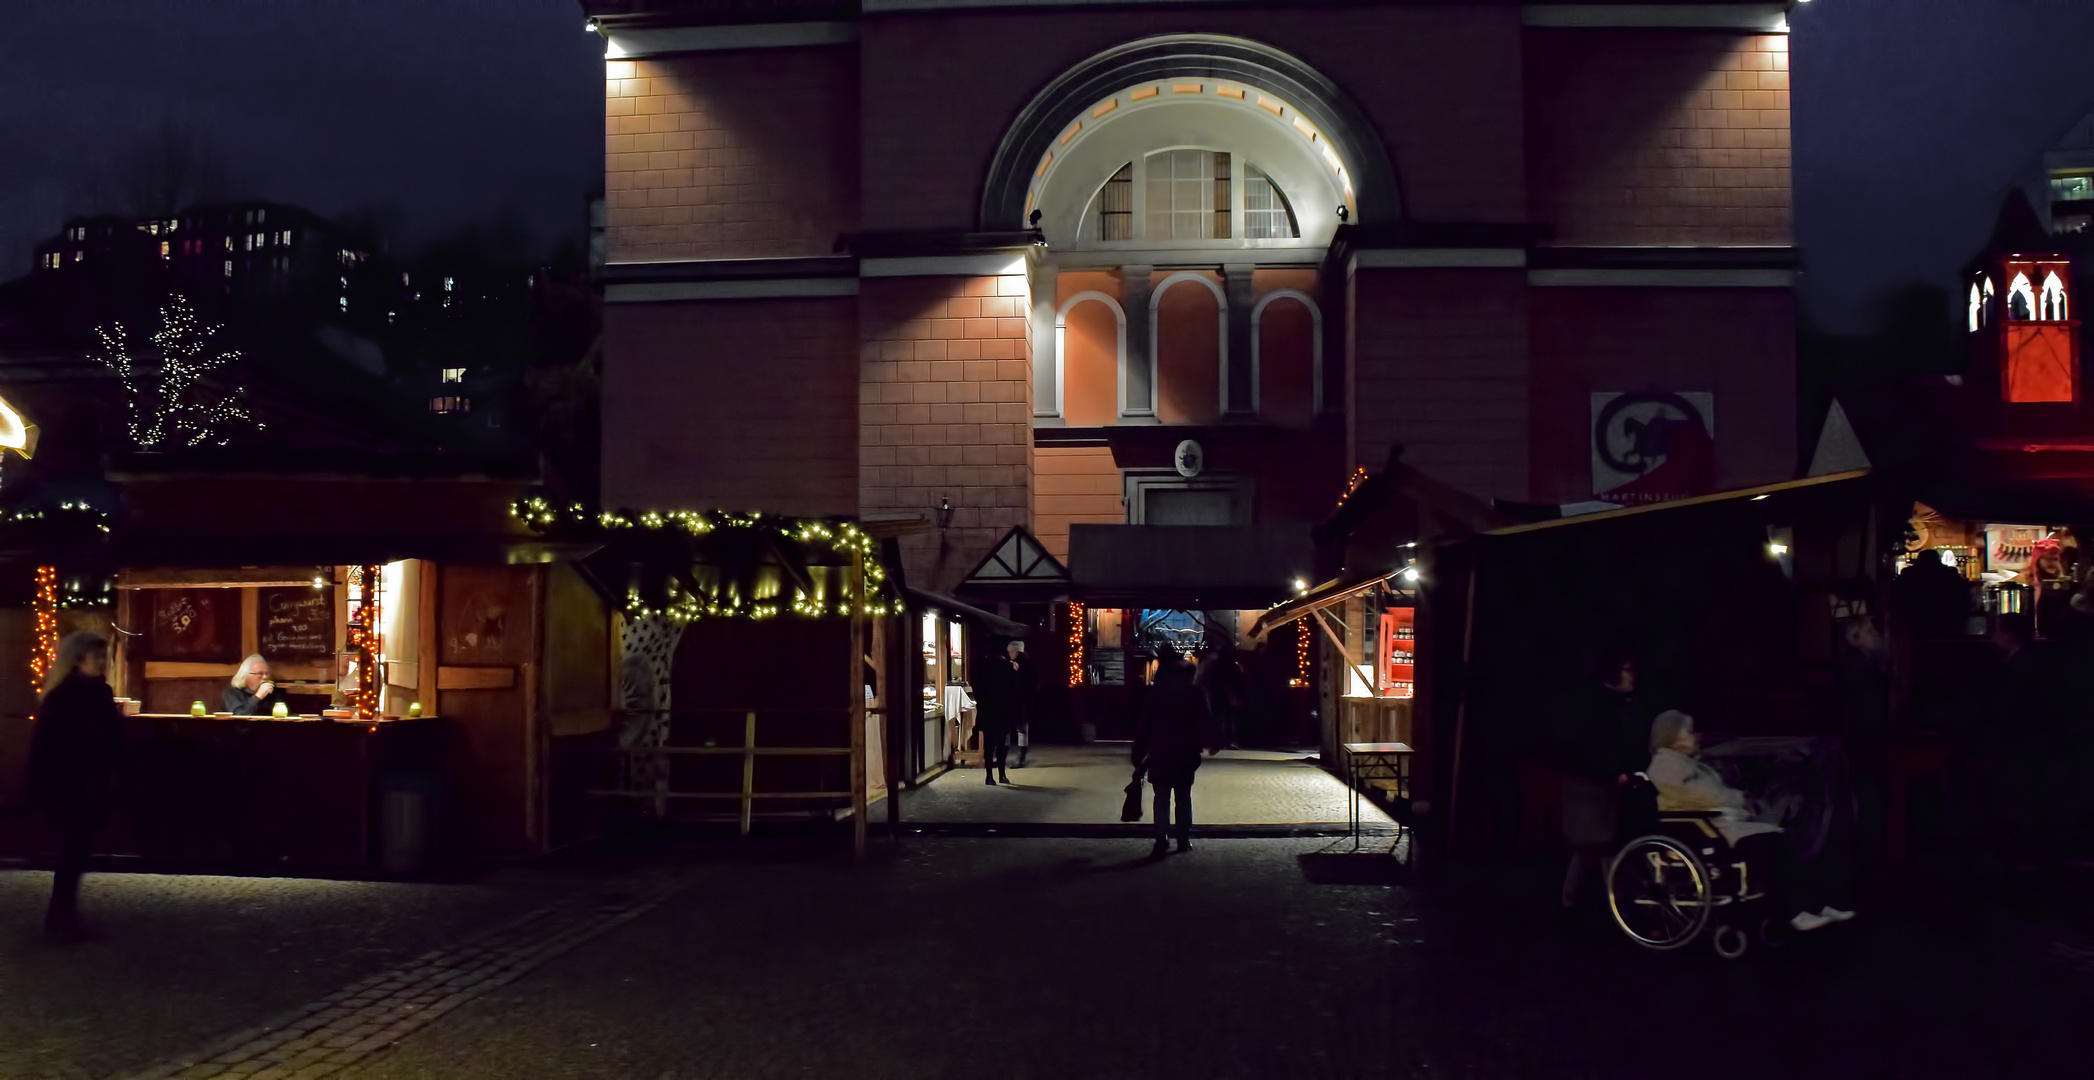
[(251, 694)]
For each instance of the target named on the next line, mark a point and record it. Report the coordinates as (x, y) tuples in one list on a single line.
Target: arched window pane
[(1116, 206), (1266, 215)]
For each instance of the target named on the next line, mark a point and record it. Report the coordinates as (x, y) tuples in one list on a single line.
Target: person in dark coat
[(997, 704), (1174, 727), (1935, 598), (1601, 743), (1027, 682), (251, 693), (72, 763)]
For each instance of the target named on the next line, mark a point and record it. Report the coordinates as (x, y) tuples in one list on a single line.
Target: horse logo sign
[(1653, 447)]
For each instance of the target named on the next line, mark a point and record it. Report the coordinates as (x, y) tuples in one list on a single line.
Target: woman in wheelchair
[(1752, 828)]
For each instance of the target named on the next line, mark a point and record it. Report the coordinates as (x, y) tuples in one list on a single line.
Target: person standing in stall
[(73, 754), (1601, 743), (251, 694)]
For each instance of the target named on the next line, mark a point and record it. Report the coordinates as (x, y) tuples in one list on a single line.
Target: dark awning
[(987, 620), (1193, 567)]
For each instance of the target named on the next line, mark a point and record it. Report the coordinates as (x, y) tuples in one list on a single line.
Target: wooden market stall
[(444, 674)]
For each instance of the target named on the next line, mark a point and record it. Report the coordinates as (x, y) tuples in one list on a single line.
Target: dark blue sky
[(1911, 115)]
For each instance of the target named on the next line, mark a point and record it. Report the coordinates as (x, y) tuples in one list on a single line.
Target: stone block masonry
[(945, 413)]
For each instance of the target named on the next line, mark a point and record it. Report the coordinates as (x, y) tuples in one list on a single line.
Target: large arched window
[(1189, 194)]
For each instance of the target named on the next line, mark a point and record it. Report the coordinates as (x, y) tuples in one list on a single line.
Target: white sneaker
[(1805, 921), (1835, 914)]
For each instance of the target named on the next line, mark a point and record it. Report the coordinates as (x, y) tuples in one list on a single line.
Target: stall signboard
[(1653, 447), (195, 624), (2008, 548), (297, 623)]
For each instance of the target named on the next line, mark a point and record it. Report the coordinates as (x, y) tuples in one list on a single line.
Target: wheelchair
[(1678, 880)]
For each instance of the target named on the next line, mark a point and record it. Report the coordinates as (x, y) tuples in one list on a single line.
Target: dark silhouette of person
[(1174, 726), (1935, 598), (73, 755), (1601, 743), (2026, 743), (998, 701), (1028, 688)]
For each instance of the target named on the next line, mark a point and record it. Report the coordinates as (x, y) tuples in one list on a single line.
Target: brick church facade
[(869, 258)]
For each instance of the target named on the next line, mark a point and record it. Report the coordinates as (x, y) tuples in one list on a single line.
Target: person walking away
[(996, 703), (72, 761), (1174, 726), (1935, 597), (1602, 741), (1027, 693)]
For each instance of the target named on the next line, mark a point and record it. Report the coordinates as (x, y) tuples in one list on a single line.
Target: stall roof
[(1335, 591), (1759, 492), (1238, 567), (989, 620)]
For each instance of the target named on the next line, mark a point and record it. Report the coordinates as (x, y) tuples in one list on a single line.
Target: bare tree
[(166, 171)]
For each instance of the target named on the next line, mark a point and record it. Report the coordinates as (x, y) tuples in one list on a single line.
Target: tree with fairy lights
[(175, 406)]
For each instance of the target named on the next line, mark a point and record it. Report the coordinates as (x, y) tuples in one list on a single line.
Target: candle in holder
[(280, 711), (196, 708), (414, 709)]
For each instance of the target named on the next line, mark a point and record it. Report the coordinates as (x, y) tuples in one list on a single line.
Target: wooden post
[(250, 622), (748, 776), (428, 650), (857, 715), (1461, 699)]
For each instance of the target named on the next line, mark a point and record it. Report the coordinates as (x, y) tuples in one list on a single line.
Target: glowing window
[(1977, 305), (1266, 215), (1188, 195), (454, 374), (2021, 299), (2072, 188), (1116, 206), (450, 405), (2051, 305)]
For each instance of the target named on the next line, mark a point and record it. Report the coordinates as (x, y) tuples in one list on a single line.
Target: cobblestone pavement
[(1084, 785), (181, 959), (1023, 958), (1041, 958)]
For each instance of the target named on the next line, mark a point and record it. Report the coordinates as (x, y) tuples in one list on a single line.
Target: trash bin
[(407, 805)]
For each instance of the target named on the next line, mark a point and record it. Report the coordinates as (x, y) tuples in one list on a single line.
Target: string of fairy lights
[(1301, 652), (165, 407), (363, 640), (1076, 635), (44, 653), (682, 603)]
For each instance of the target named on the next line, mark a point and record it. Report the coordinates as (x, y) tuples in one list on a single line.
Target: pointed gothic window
[(2051, 305), (2021, 299)]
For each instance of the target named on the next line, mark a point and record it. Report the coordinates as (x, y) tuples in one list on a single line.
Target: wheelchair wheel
[(1659, 892), (1730, 942)]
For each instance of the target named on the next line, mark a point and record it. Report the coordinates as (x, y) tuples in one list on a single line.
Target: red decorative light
[(44, 653)]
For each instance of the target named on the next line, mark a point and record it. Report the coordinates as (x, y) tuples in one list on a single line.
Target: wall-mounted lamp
[(589, 25), (944, 513), (1301, 585), (1344, 214)]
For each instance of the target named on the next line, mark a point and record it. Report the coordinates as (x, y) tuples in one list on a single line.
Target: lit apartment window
[(2072, 188), (163, 249), (447, 284), (450, 404), (454, 374), (229, 243)]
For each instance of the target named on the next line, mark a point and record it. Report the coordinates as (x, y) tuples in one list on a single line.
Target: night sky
[(1911, 116)]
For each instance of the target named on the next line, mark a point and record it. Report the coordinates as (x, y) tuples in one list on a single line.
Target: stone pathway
[(371, 1015), (1084, 785)]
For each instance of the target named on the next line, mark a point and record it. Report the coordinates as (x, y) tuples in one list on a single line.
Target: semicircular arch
[(1028, 144)]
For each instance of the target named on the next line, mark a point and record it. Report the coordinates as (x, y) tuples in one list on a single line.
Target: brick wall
[(1074, 484), (1440, 83), (945, 412), (730, 154), (1739, 344), (736, 405), (1636, 137), (1438, 363)]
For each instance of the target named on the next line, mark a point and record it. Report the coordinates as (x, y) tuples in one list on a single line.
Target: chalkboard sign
[(297, 623), (196, 624)]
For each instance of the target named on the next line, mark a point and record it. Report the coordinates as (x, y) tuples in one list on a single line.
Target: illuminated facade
[(867, 258)]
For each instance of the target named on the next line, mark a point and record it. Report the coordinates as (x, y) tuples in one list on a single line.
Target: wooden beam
[(474, 678), (158, 577), (427, 647), (250, 622)]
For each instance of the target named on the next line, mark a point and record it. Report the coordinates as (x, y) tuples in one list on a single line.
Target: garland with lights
[(166, 409), (1076, 629), (363, 640), (1301, 652), (688, 564), (1359, 476), (44, 653)]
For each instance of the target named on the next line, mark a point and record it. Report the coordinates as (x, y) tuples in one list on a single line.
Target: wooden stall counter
[(254, 791)]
